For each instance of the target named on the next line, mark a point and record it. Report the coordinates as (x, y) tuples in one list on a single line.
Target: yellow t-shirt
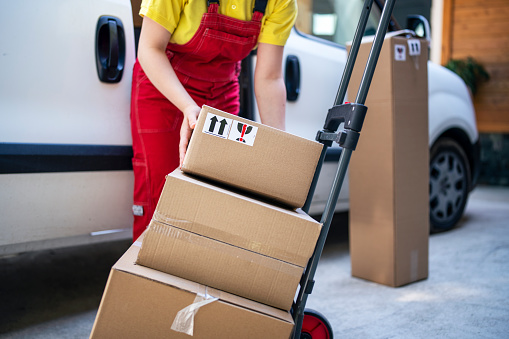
[(182, 17)]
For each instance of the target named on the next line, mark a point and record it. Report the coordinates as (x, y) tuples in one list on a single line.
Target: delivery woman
[(189, 55)]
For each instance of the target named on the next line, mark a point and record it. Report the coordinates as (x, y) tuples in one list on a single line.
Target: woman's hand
[(186, 130)]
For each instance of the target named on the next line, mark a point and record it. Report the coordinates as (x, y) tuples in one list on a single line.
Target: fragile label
[(230, 129), (243, 133), (399, 52)]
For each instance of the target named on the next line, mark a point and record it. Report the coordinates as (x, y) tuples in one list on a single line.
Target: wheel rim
[(448, 181), (314, 328)]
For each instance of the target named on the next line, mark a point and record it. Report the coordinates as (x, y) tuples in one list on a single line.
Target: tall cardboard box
[(139, 302), (389, 171), (230, 241), (254, 157)]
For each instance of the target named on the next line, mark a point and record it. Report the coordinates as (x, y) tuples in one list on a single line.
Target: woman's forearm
[(152, 57), (270, 89)]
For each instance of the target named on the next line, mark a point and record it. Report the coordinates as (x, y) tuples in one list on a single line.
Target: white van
[(65, 145)]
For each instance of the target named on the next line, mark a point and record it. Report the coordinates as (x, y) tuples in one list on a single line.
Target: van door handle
[(292, 77), (110, 49)]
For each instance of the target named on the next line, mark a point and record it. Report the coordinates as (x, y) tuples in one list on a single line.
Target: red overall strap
[(259, 9), (213, 6)]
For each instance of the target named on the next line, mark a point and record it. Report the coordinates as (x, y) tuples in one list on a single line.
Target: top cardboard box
[(251, 156)]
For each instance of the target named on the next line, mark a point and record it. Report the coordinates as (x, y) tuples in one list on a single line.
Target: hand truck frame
[(352, 115)]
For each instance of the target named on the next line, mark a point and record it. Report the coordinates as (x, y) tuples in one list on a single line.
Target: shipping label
[(399, 52), (216, 125), (414, 47), (230, 129)]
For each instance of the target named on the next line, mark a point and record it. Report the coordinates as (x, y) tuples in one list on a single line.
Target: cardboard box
[(251, 156), (389, 172), (219, 265), (220, 238), (140, 302), (200, 207)]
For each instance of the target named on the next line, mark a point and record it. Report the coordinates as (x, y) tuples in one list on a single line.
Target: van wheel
[(449, 177)]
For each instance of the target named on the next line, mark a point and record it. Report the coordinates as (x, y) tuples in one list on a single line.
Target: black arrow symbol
[(223, 124), (212, 124)]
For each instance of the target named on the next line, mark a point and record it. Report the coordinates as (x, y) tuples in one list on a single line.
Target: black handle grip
[(113, 46), (292, 78), (352, 114), (110, 49)]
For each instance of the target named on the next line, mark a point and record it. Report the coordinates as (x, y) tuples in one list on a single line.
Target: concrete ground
[(465, 296), (55, 294)]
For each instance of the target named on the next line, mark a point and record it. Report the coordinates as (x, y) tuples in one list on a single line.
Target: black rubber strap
[(260, 6)]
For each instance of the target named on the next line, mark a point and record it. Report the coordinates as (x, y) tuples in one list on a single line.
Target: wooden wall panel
[(478, 28), (447, 31)]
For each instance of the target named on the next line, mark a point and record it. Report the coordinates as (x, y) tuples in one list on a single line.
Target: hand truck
[(310, 324)]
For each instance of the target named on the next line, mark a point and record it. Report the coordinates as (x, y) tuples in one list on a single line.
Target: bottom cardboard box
[(140, 302)]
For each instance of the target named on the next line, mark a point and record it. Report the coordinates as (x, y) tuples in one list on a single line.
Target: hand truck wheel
[(315, 326)]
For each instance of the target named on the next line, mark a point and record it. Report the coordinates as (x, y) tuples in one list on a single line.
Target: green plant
[(471, 71)]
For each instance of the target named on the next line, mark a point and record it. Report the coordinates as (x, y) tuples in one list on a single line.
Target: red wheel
[(315, 326)]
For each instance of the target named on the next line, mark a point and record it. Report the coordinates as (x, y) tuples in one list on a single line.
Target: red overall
[(208, 67)]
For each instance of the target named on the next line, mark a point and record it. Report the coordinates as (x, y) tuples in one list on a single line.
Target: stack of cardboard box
[(227, 235)]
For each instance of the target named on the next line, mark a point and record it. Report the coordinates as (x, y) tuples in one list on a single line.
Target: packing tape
[(172, 234), (184, 320), (161, 217)]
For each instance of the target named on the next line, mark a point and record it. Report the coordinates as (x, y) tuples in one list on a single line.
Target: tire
[(449, 178), (315, 326)]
